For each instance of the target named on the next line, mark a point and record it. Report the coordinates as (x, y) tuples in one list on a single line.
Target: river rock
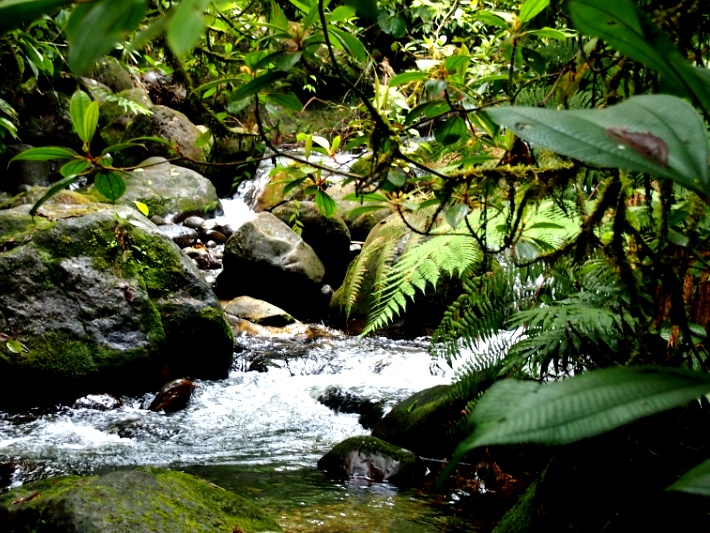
[(97, 300), (111, 73), (267, 260), (425, 422), (257, 311), (180, 235), (371, 459), (173, 397), (329, 237), (171, 190), (340, 401), (171, 126), (140, 501)]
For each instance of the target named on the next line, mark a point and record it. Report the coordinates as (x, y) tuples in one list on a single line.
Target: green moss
[(142, 500), (371, 446)]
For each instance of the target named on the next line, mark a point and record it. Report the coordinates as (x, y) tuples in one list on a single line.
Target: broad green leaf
[(454, 63), (54, 189), (695, 481), (350, 43), (94, 28), (531, 8), (44, 154), (152, 139), (341, 13), (278, 17), (14, 346), (257, 84), (408, 77), (451, 130), (74, 167), (428, 110), (456, 213), (223, 81), (657, 134), (364, 209), (110, 184), (393, 25), (14, 13), (292, 185), (186, 26), (514, 411), (288, 101), (326, 205), (490, 18), (9, 127), (434, 87), (364, 8), (91, 120), (396, 177), (115, 148), (550, 33), (288, 60), (624, 26), (142, 207), (78, 109), (321, 141), (368, 197)]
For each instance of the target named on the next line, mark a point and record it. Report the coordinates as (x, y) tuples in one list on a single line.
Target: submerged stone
[(140, 501), (173, 397)]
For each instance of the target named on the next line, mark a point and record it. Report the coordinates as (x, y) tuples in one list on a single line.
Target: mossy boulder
[(424, 422), (372, 459), (111, 73), (171, 190), (140, 501), (258, 312), (96, 299)]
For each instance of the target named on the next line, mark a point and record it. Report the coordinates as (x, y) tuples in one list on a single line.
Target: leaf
[(531, 9), (287, 60), (186, 26), (14, 346), (694, 481), (94, 28), (91, 120), (550, 33), (456, 213), (514, 411), (630, 31), (351, 43), (408, 77), (142, 207), (44, 153), (292, 185), (453, 63), (364, 209), (393, 25), (364, 8), (256, 85), (74, 167), (78, 109), (341, 13), (629, 135), (326, 205), (396, 177), (14, 13), (110, 184), (288, 101), (451, 131), (54, 189), (435, 87)]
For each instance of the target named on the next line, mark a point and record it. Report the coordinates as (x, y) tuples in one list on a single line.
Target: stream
[(259, 434)]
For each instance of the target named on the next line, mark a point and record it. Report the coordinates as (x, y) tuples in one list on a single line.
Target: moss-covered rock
[(100, 301), (373, 459), (140, 501), (111, 73), (424, 422)]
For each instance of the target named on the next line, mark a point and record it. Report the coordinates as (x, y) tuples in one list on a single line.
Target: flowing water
[(259, 434)]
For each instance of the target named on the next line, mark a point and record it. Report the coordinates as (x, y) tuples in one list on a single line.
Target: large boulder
[(426, 422), (371, 459), (171, 126), (267, 260), (171, 190), (329, 237), (140, 501), (109, 72), (93, 298)]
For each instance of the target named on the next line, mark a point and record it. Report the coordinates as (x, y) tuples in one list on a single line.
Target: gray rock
[(102, 302), (180, 235), (258, 312), (111, 73), (267, 260), (193, 222), (171, 191), (329, 237), (20, 175)]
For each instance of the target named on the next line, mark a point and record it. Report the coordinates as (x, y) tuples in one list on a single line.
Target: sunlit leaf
[(44, 153), (74, 167), (657, 134), (531, 8), (326, 205), (695, 480), (408, 77), (341, 13), (364, 209), (110, 184), (142, 207), (186, 26), (78, 109)]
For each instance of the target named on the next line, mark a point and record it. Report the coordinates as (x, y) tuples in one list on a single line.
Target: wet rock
[(267, 260), (329, 237), (341, 401), (171, 126), (171, 190), (213, 235), (103, 303), (140, 501), (180, 235), (193, 222), (372, 459), (98, 402), (20, 175), (173, 397), (424, 422), (111, 73), (258, 312)]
